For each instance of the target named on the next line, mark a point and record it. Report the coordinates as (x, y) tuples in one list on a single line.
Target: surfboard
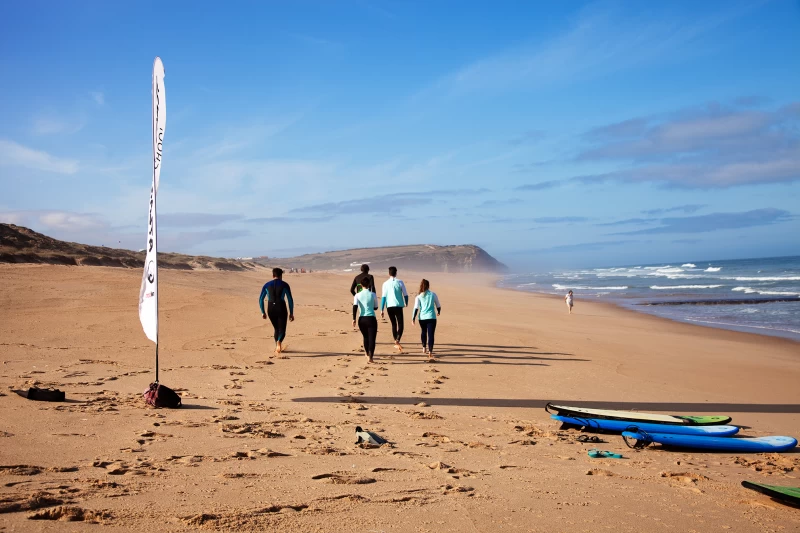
[(634, 416), (717, 444), (622, 425), (790, 495)]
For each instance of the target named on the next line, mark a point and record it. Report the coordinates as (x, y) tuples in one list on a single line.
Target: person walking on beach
[(364, 302), (428, 306), (568, 299), (394, 297), (275, 291), (364, 279)]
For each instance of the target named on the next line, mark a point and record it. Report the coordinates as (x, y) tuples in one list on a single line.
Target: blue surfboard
[(621, 425), (716, 444)]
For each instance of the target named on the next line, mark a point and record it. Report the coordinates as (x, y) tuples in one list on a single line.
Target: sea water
[(757, 295)]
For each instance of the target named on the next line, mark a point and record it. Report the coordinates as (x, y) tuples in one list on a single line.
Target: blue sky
[(560, 134)]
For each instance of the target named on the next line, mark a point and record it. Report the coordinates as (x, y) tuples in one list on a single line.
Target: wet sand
[(267, 443)]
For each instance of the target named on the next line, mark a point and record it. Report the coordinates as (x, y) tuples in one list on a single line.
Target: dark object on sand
[(159, 395), (46, 395), (789, 495), (368, 437)]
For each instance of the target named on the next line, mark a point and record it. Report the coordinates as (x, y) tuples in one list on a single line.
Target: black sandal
[(590, 438)]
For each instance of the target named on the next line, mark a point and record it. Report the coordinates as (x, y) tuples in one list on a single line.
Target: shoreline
[(790, 336)]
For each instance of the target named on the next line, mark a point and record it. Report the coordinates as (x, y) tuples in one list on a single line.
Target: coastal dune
[(268, 443)]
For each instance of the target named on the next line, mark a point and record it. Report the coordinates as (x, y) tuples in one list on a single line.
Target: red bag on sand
[(159, 395)]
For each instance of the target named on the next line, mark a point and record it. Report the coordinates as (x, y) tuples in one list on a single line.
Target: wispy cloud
[(581, 247), (98, 97), (603, 39), (713, 147), (287, 220), (187, 240), (717, 222), (15, 154), (51, 125), (527, 137), (63, 221), (629, 222), (500, 203), (559, 220), (191, 220), (540, 186), (688, 209), (387, 203)]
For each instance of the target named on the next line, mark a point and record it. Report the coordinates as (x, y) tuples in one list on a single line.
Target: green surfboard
[(790, 495)]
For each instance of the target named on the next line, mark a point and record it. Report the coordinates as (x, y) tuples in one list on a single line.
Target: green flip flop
[(594, 453)]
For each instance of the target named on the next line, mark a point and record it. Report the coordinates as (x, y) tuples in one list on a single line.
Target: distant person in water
[(394, 297), (428, 306), (365, 303), (365, 279), (275, 291), (568, 299)]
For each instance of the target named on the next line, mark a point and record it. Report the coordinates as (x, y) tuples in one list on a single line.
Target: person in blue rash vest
[(428, 306), (365, 303), (275, 291), (394, 297)]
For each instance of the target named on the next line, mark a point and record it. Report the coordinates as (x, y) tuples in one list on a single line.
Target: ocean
[(755, 295)]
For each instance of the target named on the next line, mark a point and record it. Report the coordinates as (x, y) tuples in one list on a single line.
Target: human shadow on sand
[(672, 407), (463, 354)]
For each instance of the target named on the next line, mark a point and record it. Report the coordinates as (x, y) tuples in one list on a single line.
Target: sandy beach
[(268, 443)]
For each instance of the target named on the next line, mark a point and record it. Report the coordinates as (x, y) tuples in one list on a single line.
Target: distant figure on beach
[(365, 303), (364, 279), (276, 290), (568, 299), (428, 306), (394, 297)]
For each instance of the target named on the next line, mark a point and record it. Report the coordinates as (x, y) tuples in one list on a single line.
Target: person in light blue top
[(394, 299), (428, 306), (365, 303)]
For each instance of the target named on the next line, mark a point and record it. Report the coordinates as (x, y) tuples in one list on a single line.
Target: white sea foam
[(766, 278), (750, 290), (559, 287), (668, 287), (713, 269), (689, 265)]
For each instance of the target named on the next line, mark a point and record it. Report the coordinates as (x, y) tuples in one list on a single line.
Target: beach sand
[(266, 443)]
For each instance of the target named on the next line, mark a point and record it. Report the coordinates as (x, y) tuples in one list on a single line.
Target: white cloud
[(56, 220), (16, 155), (54, 125), (98, 97)]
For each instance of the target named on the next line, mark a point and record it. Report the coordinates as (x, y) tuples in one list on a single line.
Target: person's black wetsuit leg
[(279, 316), (369, 331), (396, 318), (428, 328)]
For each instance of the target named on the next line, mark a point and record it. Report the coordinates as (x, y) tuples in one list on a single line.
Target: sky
[(552, 134)]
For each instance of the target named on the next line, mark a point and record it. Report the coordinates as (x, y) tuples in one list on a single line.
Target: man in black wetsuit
[(277, 290), (364, 279)]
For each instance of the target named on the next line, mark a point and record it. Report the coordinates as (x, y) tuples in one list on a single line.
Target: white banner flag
[(148, 294)]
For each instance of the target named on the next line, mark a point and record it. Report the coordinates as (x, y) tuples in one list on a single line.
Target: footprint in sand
[(69, 513)]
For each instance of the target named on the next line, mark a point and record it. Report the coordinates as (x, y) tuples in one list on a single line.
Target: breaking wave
[(668, 287), (559, 287)]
